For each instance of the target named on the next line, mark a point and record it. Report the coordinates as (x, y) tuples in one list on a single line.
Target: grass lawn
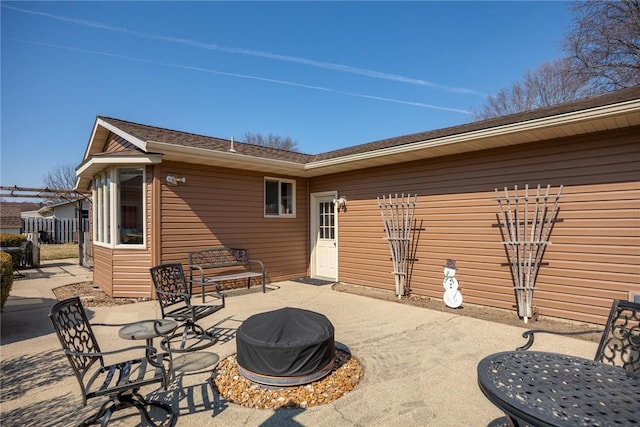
[(65, 250)]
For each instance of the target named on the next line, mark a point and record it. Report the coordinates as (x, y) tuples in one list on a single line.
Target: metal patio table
[(550, 389), (148, 330)]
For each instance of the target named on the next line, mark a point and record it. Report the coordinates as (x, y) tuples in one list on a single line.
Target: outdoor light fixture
[(174, 180), (341, 202)]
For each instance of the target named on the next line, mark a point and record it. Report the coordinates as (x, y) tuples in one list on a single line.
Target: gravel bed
[(345, 376)]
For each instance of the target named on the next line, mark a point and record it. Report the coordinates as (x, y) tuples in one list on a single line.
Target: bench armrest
[(255, 261), (202, 278)]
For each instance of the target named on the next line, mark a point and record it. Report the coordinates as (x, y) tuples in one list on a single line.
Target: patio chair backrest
[(620, 342), (170, 284), (76, 336)]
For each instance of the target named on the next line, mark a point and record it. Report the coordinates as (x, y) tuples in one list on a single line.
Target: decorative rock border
[(344, 377)]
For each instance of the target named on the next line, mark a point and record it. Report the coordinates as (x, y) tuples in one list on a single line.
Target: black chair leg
[(135, 400), (140, 403), (101, 413), (107, 415)]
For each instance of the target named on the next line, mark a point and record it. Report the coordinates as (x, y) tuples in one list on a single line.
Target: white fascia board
[(91, 138), (223, 157), (148, 159), (101, 123), (130, 138), (530, 125), (96, 164)]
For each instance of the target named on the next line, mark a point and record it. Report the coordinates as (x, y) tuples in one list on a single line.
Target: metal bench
[(235, 263)]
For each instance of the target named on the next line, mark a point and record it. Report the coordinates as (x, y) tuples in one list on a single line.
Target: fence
[(54, 230)]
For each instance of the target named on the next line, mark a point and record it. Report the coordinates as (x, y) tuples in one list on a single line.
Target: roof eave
[(493, 137), (227, 159), (94, 165)]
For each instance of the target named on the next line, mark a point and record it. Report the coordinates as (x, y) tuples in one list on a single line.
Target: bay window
[(118, 212)]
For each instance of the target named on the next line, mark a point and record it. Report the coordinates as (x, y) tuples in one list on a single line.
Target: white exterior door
[(324, 237)]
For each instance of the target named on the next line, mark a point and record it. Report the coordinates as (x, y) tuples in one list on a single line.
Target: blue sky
[(327, 74)]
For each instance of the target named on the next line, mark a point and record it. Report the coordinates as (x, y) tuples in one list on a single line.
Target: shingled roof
[(582, 104), (10, 216), (155, 134), (150, 144), (186, 139)]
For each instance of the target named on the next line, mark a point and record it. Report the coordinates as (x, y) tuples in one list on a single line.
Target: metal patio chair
[(119, 382), (620, 342), (174, 298)]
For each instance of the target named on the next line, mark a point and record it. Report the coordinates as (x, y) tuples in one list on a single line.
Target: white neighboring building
[(57, 223), (67, 209)]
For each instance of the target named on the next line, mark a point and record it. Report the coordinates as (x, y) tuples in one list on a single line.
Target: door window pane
[(326, 227)]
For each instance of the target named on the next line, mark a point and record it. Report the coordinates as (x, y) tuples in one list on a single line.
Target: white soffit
[(87, 170)]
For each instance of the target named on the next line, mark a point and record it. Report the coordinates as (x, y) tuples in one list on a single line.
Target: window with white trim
[(118, 212), (279, 197)]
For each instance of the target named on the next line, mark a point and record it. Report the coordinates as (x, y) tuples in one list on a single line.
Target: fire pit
[(285, 347)]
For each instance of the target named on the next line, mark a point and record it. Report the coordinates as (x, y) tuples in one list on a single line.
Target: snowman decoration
[(452, 296)]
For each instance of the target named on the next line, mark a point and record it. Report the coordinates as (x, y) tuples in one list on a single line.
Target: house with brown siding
[(159, 194)]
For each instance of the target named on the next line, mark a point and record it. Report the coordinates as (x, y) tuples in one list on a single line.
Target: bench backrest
[(219, 257)]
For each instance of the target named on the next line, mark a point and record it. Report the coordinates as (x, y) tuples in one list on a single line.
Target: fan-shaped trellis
[(398, 217), (526, 221)]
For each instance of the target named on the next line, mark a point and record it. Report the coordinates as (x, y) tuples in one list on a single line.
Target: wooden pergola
[(42, 193)]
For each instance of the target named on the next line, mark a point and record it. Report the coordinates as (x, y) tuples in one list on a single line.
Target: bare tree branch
[(550, 84), (271, 140), (603, 54), (604, 43), (61, 177)]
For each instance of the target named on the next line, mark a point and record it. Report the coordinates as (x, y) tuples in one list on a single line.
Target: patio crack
[(345, 419)]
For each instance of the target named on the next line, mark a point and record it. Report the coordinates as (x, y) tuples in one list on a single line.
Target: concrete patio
[(419, 365)]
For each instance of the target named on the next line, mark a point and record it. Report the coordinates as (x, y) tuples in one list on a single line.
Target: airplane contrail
[(247, 76), (256, 53)]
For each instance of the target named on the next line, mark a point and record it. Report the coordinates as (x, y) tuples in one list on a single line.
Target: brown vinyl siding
[(116, 143), (102, 268), (131, 273), (595, 250), (225, 207), (122, 272)]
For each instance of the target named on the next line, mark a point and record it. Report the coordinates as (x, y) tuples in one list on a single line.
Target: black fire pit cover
[(289, 342)]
